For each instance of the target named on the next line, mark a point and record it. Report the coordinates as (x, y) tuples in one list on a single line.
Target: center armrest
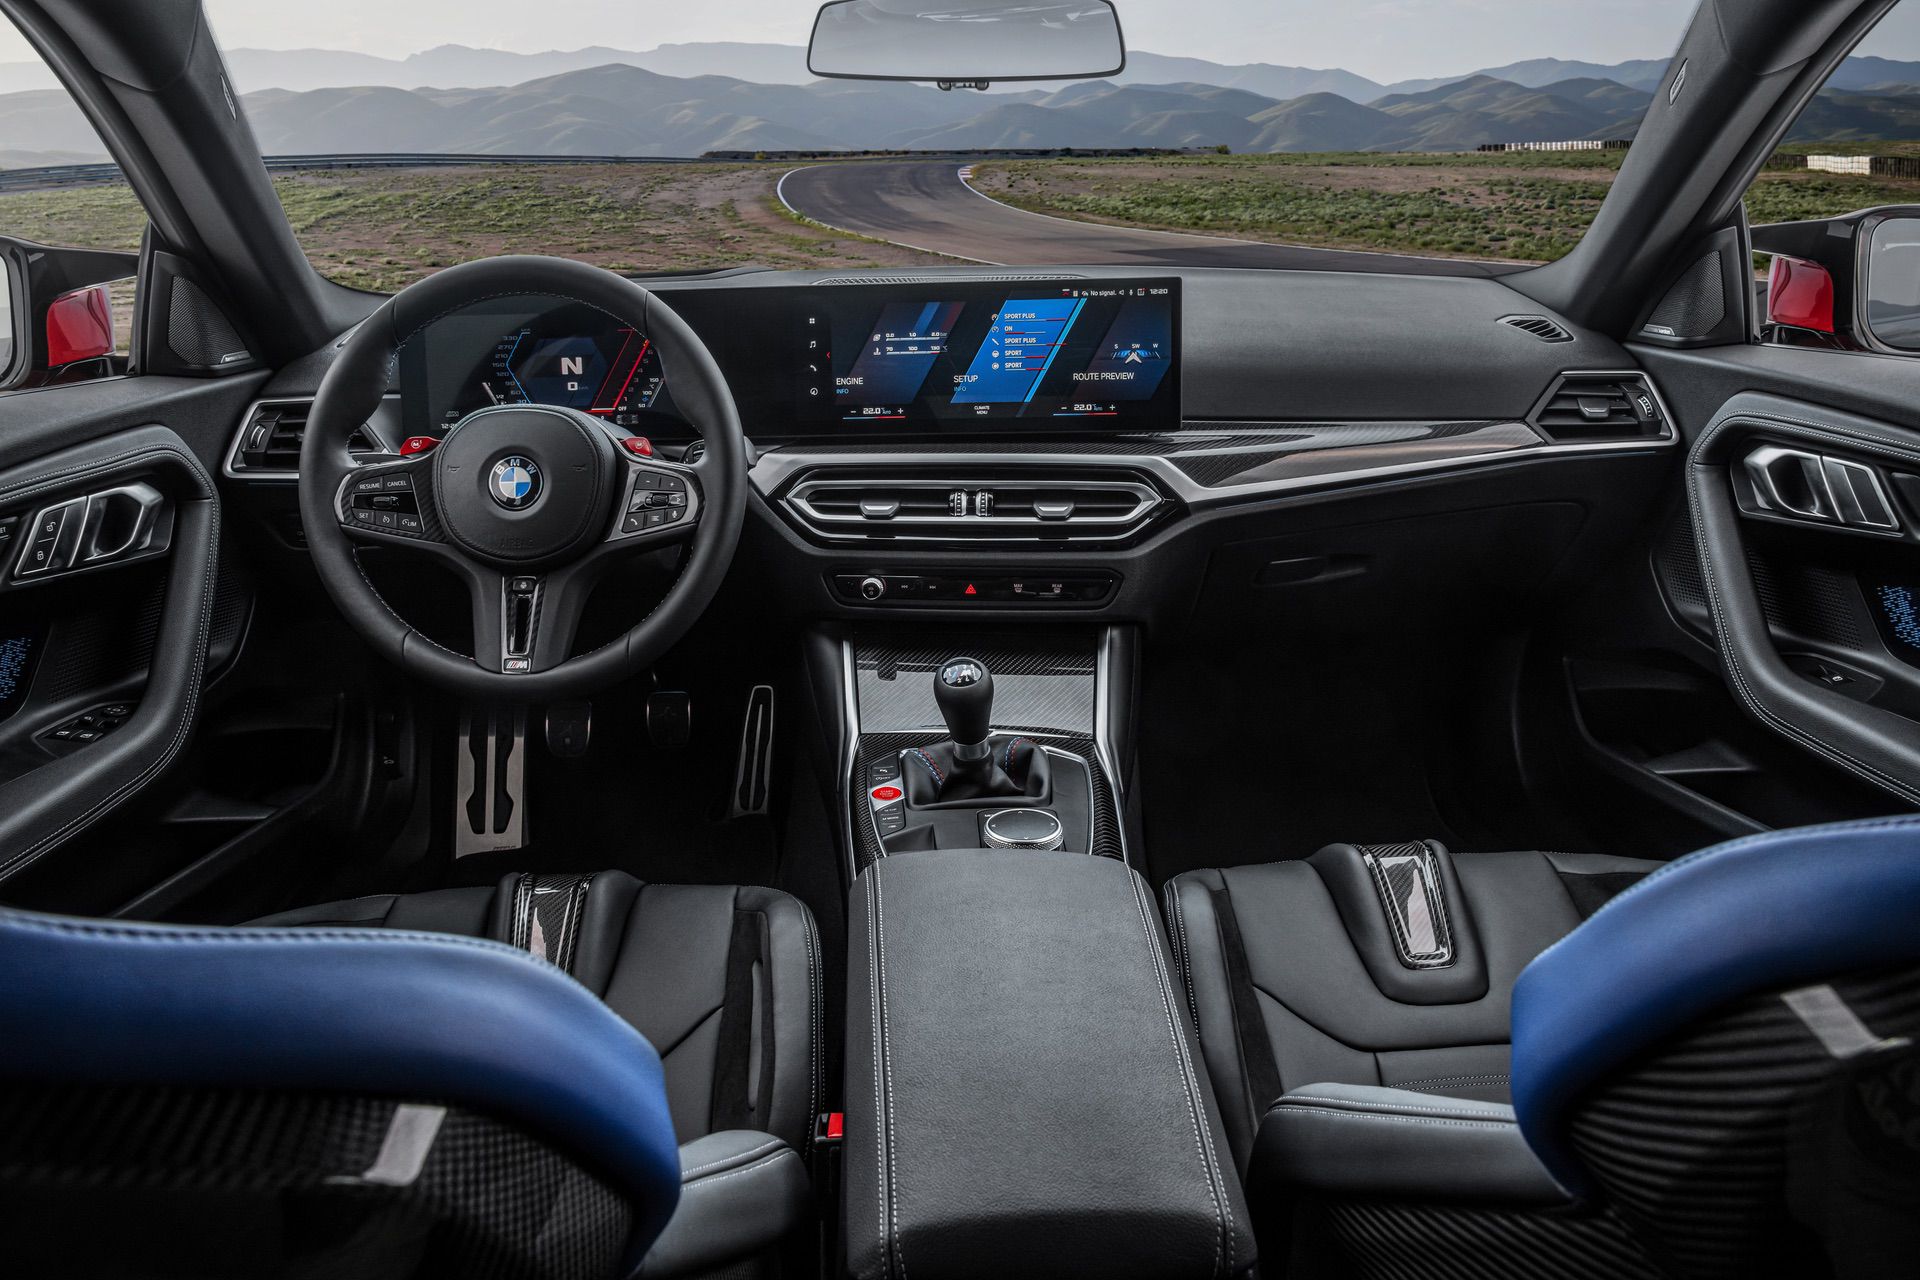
[(1022, 1087)]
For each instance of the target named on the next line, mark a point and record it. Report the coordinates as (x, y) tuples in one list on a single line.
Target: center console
[(1023, 1092), (1001, 744)]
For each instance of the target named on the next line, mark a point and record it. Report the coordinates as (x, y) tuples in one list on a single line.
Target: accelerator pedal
[(490, 801)]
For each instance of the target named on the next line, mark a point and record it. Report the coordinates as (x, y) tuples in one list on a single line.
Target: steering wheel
[(529, 504)]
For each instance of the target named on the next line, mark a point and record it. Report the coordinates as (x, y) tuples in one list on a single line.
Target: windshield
[(1411, 135)]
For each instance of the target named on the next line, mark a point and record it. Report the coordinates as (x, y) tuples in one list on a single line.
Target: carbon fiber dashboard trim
[(1209, 464)]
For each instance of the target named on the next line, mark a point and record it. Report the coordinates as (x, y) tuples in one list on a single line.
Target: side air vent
[(1045, 509), (1582, 408), (270, 438), (1541, 327)]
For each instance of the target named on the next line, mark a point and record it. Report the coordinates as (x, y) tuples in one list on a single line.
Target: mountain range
[(614, 106), (455, 66)]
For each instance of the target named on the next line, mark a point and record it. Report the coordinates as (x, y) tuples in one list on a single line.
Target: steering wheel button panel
[(657, 498)]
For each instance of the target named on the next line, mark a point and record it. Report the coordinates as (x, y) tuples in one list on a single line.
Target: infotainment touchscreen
[(1038, 355)]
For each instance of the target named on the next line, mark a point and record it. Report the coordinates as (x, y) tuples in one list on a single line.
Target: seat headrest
[(408, 1015), (1764, 913)]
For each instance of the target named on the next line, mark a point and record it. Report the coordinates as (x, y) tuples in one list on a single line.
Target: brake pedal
[(670, 717), (752, 777), (491, 805), (569, 729)]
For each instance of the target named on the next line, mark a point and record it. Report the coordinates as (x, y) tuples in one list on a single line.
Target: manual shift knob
[(963, 688)]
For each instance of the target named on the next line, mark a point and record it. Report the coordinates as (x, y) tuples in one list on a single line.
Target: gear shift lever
[(971, 769), (963, 689)]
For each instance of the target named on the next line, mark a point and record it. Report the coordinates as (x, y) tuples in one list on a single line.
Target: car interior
[(560, 774)]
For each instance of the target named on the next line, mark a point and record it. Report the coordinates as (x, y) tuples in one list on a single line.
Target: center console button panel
[(1078, 587)]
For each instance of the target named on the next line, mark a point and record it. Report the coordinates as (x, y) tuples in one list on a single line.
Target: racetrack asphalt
[(928, 205)]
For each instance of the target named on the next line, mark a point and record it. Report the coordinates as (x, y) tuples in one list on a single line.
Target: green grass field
[(1518, 206), (380, 229)]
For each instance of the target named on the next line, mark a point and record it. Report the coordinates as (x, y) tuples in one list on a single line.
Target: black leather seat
[(724, 982), (1297, 973), (1711, 1074)]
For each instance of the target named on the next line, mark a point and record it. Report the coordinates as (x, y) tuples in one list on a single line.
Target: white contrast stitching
[(760, 1150), (1379, 1108), (756, 1167), (1202, 1140), (893, 1169), (1373, 1117)]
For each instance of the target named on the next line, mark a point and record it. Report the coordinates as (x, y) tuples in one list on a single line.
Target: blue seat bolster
[(1763, 913), (411, 1015)]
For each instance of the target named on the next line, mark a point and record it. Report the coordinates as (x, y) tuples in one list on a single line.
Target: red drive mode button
[(887, 794)]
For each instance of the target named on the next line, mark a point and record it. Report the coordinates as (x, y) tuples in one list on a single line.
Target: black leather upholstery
[(1022, 1093), (724, 981), (1286, 993), (1361, 1140)]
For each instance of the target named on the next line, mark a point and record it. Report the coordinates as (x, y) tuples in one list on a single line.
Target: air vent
[(1047, 509), (1582, 408), (1541, 327), (270, 439)]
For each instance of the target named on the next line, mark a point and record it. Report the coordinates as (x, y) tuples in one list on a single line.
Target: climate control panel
[(1075, 588)]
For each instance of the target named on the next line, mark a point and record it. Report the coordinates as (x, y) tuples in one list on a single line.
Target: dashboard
[(1035, 357)]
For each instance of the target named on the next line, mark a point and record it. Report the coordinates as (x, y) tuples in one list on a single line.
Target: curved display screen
[(1042, 355)]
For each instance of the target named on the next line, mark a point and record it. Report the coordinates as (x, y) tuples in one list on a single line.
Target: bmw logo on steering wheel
[(515, 482)]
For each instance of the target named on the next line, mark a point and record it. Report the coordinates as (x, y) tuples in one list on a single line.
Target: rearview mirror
[(969, 43)]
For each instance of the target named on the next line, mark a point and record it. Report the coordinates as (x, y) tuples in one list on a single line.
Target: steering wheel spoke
[(660, 504), (506, 618), (389, 502)]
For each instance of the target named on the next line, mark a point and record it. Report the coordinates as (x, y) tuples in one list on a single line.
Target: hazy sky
[(1383, 39)]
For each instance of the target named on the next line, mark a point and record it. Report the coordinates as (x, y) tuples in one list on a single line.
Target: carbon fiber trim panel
[(1386, 1241), (546, 916), (1335, 449), (1041, 683), (1407, 878), (1748, 1149)]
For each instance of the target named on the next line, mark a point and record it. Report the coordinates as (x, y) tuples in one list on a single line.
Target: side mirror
[(1851, 282), (80, 326), (1799, 294), (966, 43), (57, 314)]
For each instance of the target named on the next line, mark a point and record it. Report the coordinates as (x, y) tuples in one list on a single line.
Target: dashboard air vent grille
[(1541, 327), (1049, 509), (1584, 407), (271, 439)]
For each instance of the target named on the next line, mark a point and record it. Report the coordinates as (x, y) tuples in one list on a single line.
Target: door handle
[(1792, 482), (123, 522)]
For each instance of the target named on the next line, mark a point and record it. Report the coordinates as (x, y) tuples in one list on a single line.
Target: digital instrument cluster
[(562, 354)]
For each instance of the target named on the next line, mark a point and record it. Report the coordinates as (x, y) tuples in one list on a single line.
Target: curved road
[(927, 205)]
